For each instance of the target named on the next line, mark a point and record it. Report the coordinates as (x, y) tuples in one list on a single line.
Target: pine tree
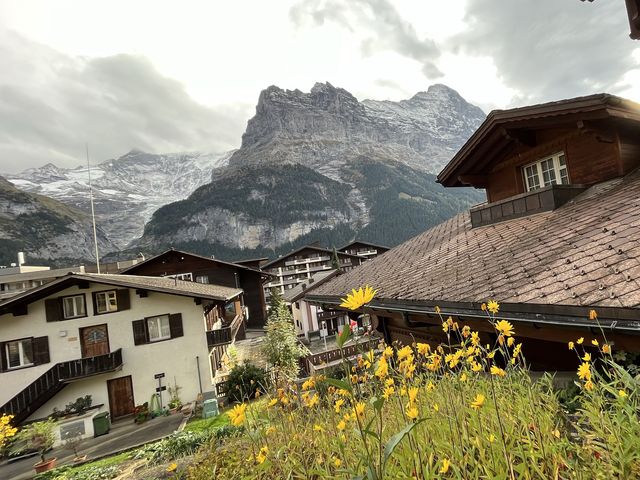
[(335, 261)]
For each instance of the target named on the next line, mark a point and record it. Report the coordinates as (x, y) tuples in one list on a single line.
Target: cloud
[(550, 49), (389, 30), (51, 104)]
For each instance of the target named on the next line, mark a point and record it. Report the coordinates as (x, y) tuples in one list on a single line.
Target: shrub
[(38, 436), (245, 381)]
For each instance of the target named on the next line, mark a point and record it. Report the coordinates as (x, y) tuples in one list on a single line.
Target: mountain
[(324, 166), (44, 228), (126, 190)]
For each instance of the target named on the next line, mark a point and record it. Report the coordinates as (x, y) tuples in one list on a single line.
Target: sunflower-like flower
[(493, 306), (412, 411), (237, 415), (446, 464), (505, 328), (478, 402), (498, 371), (584, 371), (357, 298), (383, 369)]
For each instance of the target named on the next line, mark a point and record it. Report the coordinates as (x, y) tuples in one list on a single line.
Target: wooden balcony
[(86, 367), (222, 336)]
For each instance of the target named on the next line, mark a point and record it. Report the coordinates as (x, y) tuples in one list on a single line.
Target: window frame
[(84, 304), (161, 338), (539, 172), (20, 353), (185, 277), (106, 292)]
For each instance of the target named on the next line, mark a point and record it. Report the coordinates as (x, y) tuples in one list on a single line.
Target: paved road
[(123, 435)]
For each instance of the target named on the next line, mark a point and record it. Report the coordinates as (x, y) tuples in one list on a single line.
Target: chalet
[(363, 249), (114, 337), (196, 268), (291, 269), (309, 318), (558, 235)]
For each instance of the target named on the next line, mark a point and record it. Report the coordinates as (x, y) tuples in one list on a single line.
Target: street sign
[(158, 375)]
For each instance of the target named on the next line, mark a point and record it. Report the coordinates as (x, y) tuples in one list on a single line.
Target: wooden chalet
[(558, 236), (363, 249), (196, 268)]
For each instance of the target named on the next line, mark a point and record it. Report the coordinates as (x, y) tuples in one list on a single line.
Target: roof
[(154, 284), (202, 257), (585, 254), (308, 247), (349, 245), (492, 133), (39, 274), (309, 284)]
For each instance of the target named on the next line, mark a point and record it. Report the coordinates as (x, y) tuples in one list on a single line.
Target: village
[(502, 342)]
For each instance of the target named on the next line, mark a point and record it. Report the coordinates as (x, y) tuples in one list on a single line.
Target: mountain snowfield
[(126, 190)]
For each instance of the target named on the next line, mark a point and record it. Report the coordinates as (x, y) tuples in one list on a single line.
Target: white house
[(118, 338)]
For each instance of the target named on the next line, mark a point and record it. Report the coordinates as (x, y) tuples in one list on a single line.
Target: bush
[(91, 473), (245, 381)]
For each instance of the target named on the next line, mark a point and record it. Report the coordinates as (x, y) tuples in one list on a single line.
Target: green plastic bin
[(101, 424), (210, 408)]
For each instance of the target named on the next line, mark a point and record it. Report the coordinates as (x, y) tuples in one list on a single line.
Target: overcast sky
[(166, 76)]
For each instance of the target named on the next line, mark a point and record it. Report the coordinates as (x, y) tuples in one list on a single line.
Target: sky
[(168, 76)]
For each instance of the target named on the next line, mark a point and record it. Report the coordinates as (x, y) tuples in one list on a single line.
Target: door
[(120, 396), (94, 340)]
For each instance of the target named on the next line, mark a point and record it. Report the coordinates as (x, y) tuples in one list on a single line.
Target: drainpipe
[(198, 368)]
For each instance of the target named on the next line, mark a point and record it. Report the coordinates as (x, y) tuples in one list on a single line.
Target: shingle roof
[(585, 253), (310, 284), (156, 284)]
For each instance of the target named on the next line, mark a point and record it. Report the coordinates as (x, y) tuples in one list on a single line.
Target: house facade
[(557, 237), (291, 269), (118, 338), (363, 249), (196, 268)]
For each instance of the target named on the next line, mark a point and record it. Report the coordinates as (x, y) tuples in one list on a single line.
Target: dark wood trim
[(86, 307)]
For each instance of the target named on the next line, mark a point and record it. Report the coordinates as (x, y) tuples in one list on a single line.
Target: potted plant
[(141, 413), (175, 404), (72, 440), (39, 436)]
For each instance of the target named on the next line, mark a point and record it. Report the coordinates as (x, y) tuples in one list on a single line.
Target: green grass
[(202, 424), (71, 471)]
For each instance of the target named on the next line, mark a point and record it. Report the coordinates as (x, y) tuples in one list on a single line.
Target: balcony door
[(94, 340)]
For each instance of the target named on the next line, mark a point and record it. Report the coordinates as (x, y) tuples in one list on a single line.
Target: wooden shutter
[(140, 333), (175, 325), (41, 350), (122, 297), (3, 357), (53, 309)]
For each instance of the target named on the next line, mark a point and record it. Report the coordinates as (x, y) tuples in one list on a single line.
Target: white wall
[(175, 357)]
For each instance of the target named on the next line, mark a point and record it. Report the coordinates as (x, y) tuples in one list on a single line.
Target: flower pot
[(45, 466)]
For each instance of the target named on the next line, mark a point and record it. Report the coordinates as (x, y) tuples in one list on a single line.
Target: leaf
[(393, 442), (377, 403), (339, 384), (344, 336)]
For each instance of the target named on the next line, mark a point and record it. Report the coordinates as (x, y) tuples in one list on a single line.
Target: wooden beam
[(478, 181)]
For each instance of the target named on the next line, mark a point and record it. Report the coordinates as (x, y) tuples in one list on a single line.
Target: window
[(19, 353), (183, 276), (159, 328), (73, 307), (202, 279), (545, 172), (106, 302)]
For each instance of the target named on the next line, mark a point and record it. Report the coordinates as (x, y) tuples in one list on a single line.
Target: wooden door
[(120, 396), (94, 340)]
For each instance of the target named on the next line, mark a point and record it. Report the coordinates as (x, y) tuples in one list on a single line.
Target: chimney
[(21, 259)]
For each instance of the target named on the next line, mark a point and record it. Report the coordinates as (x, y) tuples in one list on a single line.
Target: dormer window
[(548, 171)]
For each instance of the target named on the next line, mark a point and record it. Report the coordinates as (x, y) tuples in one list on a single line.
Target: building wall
[(176, 357), (590, 158)]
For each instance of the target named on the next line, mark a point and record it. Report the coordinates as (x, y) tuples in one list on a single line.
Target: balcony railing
[(86, 367), (221, 336)]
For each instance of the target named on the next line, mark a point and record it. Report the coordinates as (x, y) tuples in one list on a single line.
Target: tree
[(280, 346), (335, 261)]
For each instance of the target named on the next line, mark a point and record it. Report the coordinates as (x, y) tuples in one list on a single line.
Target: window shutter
[(140, 334), (95, 303), (41, 350), (53, 309), (3, 357), (122, 297), (175, 325)]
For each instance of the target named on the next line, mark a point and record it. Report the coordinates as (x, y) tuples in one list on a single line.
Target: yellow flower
[(478, 402), (318, 428), (436, 408), (491, 438), (445, 466), (504, 328), (413, 394), (337, 462), (556, 433), (423, 348), (359, 409), (437, 309), (466, 331), (270, 430), (405, 352), (516, 351), (493, 306), (476, 367), (594, 342), (172, 467), (586, 357), (510, 341), (387, 352), (622, 393), (580, 340), (495, 370), (308, 384), (593, 315), (430, 387), (571, 345), (273, 402), (463, 377), (475, 338), (606, 348), (341, 425), (445, 327), (412, 411), (588, 385), (388, 391), (262, 455), (483, 307), (237, 414), (383, 368), (357, 298), (584, 371), (338, 405)]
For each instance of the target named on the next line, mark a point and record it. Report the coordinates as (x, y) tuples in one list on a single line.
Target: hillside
[(44, 228)]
